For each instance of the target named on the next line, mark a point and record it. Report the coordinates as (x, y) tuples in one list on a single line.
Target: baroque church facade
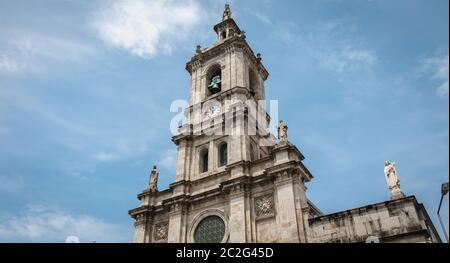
[(239, 184)]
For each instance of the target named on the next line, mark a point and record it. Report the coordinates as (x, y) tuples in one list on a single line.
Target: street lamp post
[(444, 191)]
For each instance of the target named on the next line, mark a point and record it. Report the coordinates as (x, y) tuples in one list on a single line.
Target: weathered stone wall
[(266, 231), (264, 205), (401, 220)]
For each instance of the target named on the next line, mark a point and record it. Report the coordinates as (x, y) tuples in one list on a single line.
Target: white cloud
[(9, 65), (332, 44), (51, 47), (168, 159), (336, 48), (260, 16), (105, 156), (34, 53), (97, 140), (347, 59), (120, 149), (437, 66), (146, 28), (443, 89), (42, 224), (27, 102)]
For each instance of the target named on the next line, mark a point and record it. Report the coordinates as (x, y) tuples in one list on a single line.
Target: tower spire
[(227, 28), (226, 12)]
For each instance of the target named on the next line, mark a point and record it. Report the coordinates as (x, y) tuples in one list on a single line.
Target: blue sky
[(86, 88)]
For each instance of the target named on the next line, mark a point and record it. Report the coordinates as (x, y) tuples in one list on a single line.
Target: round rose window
[(210, 230)]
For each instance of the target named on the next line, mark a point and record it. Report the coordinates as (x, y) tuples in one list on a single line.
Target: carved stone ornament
[(264, 206), (160, 232)]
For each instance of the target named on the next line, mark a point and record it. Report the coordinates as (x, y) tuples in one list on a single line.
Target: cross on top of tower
[(226, 12)]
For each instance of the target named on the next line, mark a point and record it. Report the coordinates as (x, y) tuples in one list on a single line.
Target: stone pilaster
[(182, 160), (286, 217), (177, 222), (140, 229), (300, 201), (239, 221)]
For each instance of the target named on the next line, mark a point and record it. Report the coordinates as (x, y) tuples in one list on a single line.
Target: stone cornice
[(238, 185), (177, 204), (262, 160), (229, 45), (292, 148), (227, 23), (138, 212), (307, 172), (180, 203), (263, 178), (289, 146), (147, 192), (357, 210), (211, 176), (287, 166), (223, 95), (238, 163)]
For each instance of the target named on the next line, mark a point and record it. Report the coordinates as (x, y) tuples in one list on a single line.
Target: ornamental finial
[(226, 12)]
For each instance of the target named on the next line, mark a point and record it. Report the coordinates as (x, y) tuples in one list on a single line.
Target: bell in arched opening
[(215, 83)]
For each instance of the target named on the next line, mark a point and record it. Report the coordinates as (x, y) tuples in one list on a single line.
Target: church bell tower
[(234, 181)]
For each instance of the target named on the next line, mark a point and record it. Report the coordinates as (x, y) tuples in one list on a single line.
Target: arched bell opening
[(214, 80)]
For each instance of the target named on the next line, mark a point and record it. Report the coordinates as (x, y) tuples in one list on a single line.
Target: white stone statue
[(390, 172), (153, 184), (282, 132)]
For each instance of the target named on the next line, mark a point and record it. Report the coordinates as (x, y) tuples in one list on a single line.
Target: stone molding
[(231, 44)]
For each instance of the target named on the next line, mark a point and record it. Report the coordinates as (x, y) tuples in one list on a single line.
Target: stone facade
[(400, 220), (235, 187), (264, 204)]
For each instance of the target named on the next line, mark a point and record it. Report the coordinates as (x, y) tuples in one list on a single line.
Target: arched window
[(224, 35), (204, 161), (230, 33), (253, 82), (223, 154), (214, 80)]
